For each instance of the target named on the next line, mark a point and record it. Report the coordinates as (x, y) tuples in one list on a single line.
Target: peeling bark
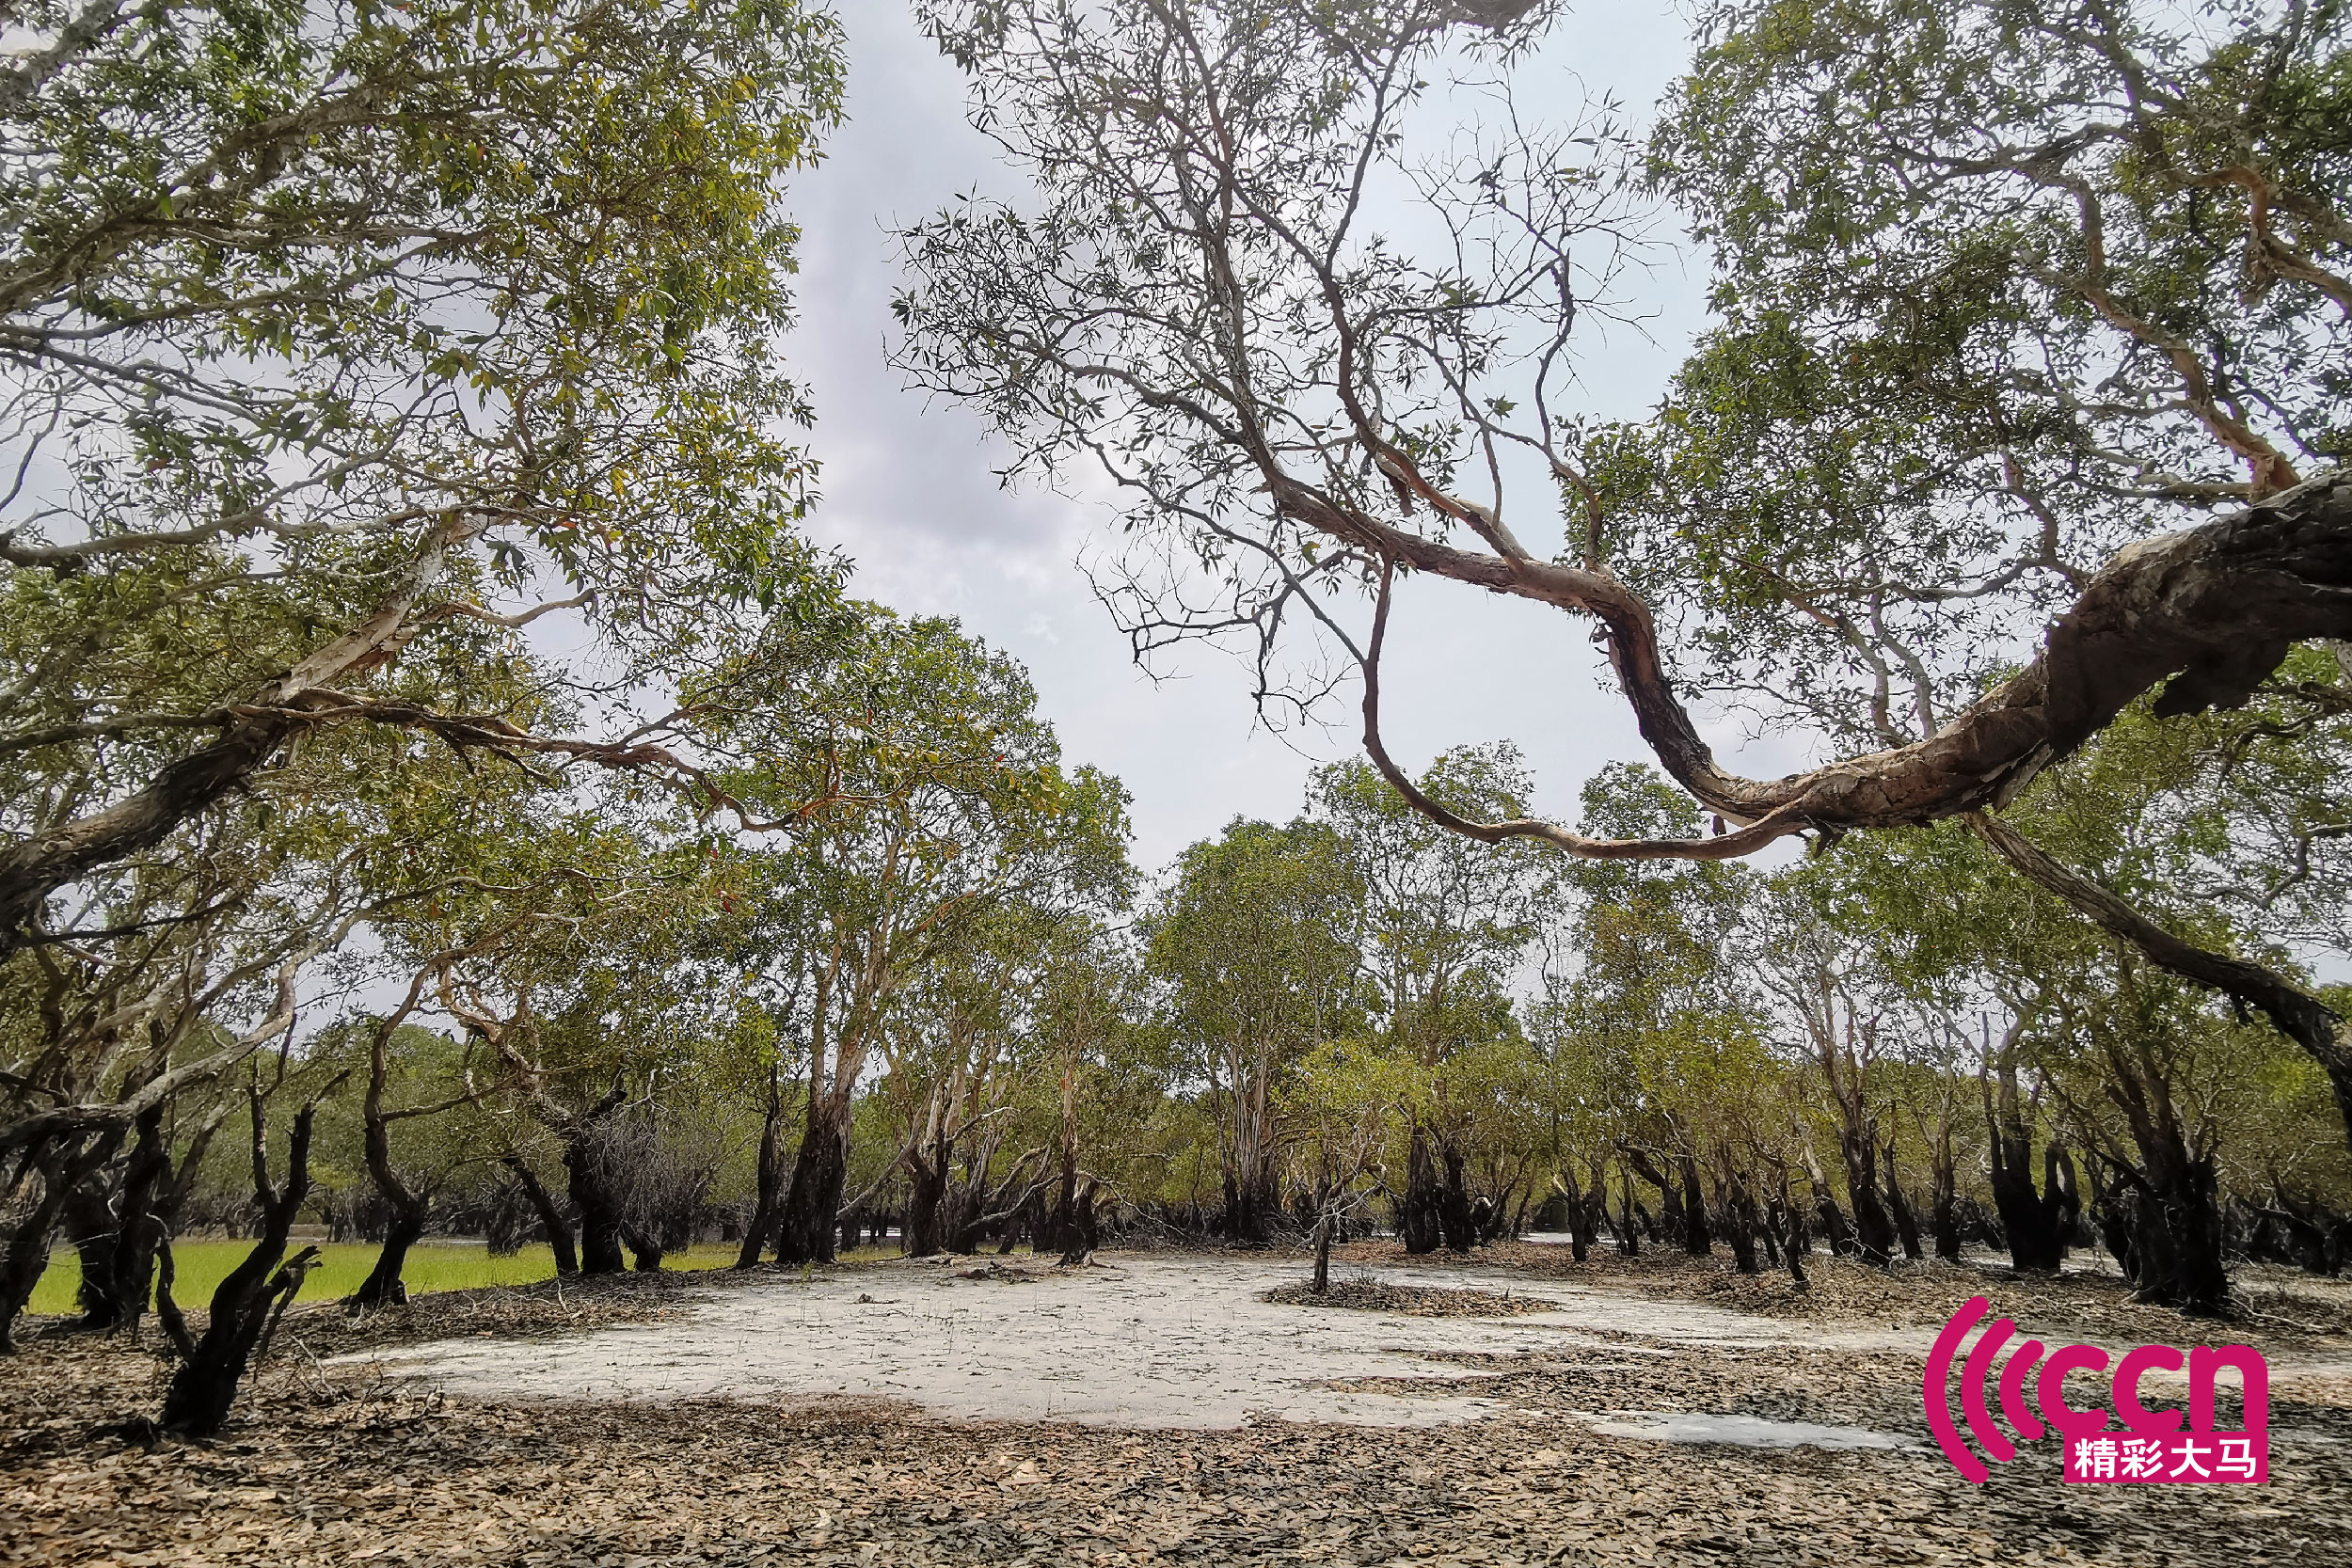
[(2207, 613), (805, 1228)]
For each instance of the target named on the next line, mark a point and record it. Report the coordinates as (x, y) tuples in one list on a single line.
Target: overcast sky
[(910, 492)]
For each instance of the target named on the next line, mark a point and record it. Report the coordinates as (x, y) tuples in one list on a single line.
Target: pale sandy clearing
[(1151, 1340)]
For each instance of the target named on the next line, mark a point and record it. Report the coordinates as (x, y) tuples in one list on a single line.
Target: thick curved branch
[(1722, 846), (2211, 611), (84, 1117), (37, 865), (2302, 1018)]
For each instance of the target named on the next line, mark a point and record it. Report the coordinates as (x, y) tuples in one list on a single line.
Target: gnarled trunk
[(1696, 1241), (589, 1183), (383, 1286), (117, 1225), (926, 1191), (1794, 1242), (2036, 1225), (1873, 1228), (246, 1307), (1587, 1212), (1899, 1206), (1420, 1223), (806, 1227), (2169, 1201), (27, 1255), (1742, 1220), (1944, 1215), (551, 1220), (769, 1180), (1456, 1218)]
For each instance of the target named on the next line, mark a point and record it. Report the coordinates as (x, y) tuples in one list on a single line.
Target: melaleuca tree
[(951, 1069), (2024, 314), (1250, 948), (1443, 920), (1084, 1042), (918, 795), (2153, 1083), (564, 958), (1340, 1107), (348, 317), (160, 981), (1647, 987)]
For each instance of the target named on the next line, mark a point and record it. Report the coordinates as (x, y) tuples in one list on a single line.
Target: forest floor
[(1157, 1410)]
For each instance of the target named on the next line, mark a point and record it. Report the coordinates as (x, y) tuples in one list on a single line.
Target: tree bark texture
[(27, 1255), (2207, 613), (806, 1225), (769, 1178)]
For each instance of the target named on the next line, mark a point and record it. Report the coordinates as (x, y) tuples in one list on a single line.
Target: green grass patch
[(199, 1266)]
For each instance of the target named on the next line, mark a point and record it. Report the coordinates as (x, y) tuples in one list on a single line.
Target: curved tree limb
[(2207, 612), (1722, 846), (2301, 1017), (37, 865)]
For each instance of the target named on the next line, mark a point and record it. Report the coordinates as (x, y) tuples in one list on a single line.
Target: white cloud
[(912, 494)]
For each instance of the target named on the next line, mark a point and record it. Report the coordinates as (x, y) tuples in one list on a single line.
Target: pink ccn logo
[(2151, 1446)]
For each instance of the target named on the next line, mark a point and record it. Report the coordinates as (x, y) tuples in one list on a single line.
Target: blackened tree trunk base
[(248, 1305)]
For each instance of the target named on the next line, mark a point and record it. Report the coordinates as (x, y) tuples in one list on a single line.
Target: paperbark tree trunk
[(1899, 1206), (1455, 1217), (246, 1307), (1629, 1238), (1084, 1233), (2170, 1200), (769, 1177), (807, 1223), (551, 1220), (2207, 613), (588, 1181), (127, 1218), (383, 1286), (1696, 1240), (1639, 1163), (1740, 1223), (1419, 1223), (1587, 1210), (2035, 1223), (26, 1256), (1794, 1241), (926, 1189), (1944, 1215)]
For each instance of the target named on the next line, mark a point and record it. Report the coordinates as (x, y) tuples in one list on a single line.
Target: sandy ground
[(1141, 1341), (1668, 1412)]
